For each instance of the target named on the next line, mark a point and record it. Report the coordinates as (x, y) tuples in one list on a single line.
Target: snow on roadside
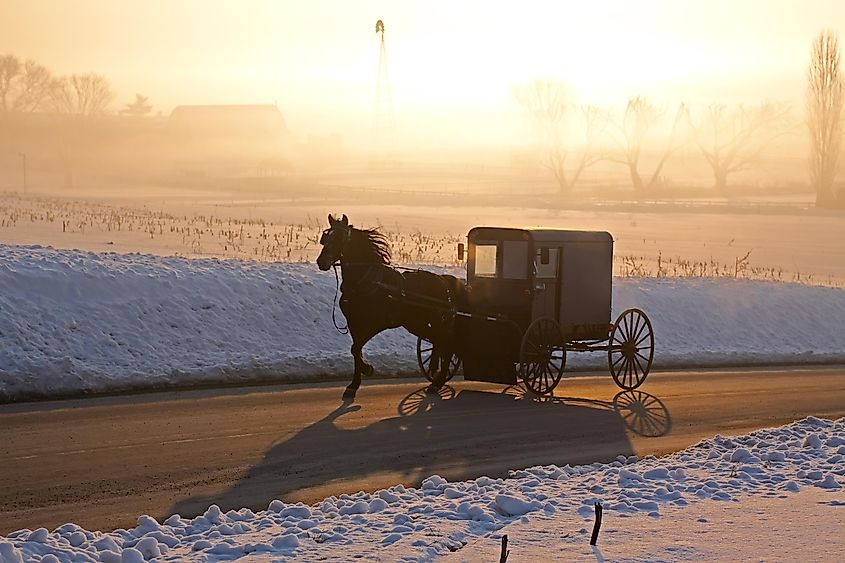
[(463, 519), (82, 322)]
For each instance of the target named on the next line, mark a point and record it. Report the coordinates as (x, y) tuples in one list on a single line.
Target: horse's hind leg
[(443, 354)]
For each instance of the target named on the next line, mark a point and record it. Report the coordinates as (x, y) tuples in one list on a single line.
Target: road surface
[(101, 462)]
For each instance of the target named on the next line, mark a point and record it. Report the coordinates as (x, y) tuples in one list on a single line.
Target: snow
[(774, 493), (76, 322)]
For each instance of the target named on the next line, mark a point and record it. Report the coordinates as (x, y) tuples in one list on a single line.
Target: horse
[(374, 296)]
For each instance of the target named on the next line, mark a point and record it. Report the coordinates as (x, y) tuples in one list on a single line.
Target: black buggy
[(531, 296)]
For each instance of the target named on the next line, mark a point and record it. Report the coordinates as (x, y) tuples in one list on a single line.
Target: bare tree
[(10, 69), (732, 140), (140, 107), (81, 95), (641, 118), (33, 87), (549, 104), (824, 114), (24, 86), (75, 100)]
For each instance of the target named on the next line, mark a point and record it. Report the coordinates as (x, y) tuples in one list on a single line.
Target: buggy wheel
[(424, 350), (542, 356), (631, 349)]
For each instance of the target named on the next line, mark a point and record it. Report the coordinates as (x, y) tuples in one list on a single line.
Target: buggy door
[(499, 276), (546, 282)]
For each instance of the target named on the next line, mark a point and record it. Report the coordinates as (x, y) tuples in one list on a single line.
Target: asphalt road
[(102, 462)]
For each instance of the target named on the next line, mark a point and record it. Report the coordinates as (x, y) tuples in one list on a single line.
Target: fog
[(574, 114), (451, 69)]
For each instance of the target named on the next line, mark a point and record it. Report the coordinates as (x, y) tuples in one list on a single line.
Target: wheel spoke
[(620, 357), (635, 363), (634, 328), (623, 327), (640, 341), (646, 360), (640, 327)]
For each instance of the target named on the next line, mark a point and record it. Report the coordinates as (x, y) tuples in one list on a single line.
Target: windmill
[(383, 109)]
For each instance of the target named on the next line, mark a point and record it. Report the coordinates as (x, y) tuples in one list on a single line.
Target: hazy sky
[(318, 59)]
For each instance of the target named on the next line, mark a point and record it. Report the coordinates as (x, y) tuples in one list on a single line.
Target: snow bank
[(81, 322), (463, 518)]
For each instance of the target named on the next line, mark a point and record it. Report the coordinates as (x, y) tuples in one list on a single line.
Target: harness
[(374, 278)]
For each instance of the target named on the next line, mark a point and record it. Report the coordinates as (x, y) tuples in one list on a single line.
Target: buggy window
[(485, 260), (546, 271), (515, 260)]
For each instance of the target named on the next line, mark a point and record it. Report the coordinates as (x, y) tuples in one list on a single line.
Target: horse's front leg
[(362, 368), (358, 357)]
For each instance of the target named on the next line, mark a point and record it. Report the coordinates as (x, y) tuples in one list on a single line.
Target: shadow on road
[(457, 435)]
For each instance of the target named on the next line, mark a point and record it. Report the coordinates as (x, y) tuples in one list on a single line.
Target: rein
[(340, 329)]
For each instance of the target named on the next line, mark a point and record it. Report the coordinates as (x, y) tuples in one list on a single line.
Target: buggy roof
[(540, 235)]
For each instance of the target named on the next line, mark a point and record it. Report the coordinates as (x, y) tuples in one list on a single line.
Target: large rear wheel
[(542, 356), (424, 359), (631, 349)]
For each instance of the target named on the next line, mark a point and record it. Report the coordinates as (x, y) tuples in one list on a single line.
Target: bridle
[(330, 233), (328, 236)]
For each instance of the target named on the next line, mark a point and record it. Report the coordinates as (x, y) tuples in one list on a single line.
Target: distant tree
[(10, 69), (75, 100), (549, 104), (140, 107), (641, 118), (24, 86), (33, 87), (824, 115), (732, 140), (81, 95)]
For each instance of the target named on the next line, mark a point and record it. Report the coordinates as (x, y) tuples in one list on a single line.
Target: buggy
[(532, 296)]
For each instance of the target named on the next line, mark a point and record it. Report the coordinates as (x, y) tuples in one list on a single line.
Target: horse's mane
[(370, 246)]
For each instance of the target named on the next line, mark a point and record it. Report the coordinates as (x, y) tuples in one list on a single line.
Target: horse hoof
[(432, 389), (349, 394)]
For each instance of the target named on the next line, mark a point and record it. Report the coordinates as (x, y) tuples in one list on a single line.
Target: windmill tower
[(383, 109)]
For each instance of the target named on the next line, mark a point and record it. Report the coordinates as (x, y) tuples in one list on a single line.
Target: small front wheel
[(631, 349), (542, 356), (424, 359)]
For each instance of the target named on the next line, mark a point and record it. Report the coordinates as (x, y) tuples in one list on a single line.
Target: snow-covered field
[(83, 322), (773, 494)]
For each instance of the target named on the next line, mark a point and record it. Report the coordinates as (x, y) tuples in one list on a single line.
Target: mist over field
[(706, 139)]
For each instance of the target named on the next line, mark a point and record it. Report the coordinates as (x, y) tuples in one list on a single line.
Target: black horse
[(376, 296)]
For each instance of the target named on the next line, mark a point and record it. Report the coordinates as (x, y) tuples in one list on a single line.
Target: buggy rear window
[(485, 260)]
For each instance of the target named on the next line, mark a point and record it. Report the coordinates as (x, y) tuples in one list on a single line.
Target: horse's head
[(334, 241)]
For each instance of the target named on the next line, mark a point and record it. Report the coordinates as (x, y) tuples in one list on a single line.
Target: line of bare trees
[(71, 102), (27, 86), (730, 139)]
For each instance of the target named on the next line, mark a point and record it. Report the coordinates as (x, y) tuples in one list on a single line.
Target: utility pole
[(23, 156)]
